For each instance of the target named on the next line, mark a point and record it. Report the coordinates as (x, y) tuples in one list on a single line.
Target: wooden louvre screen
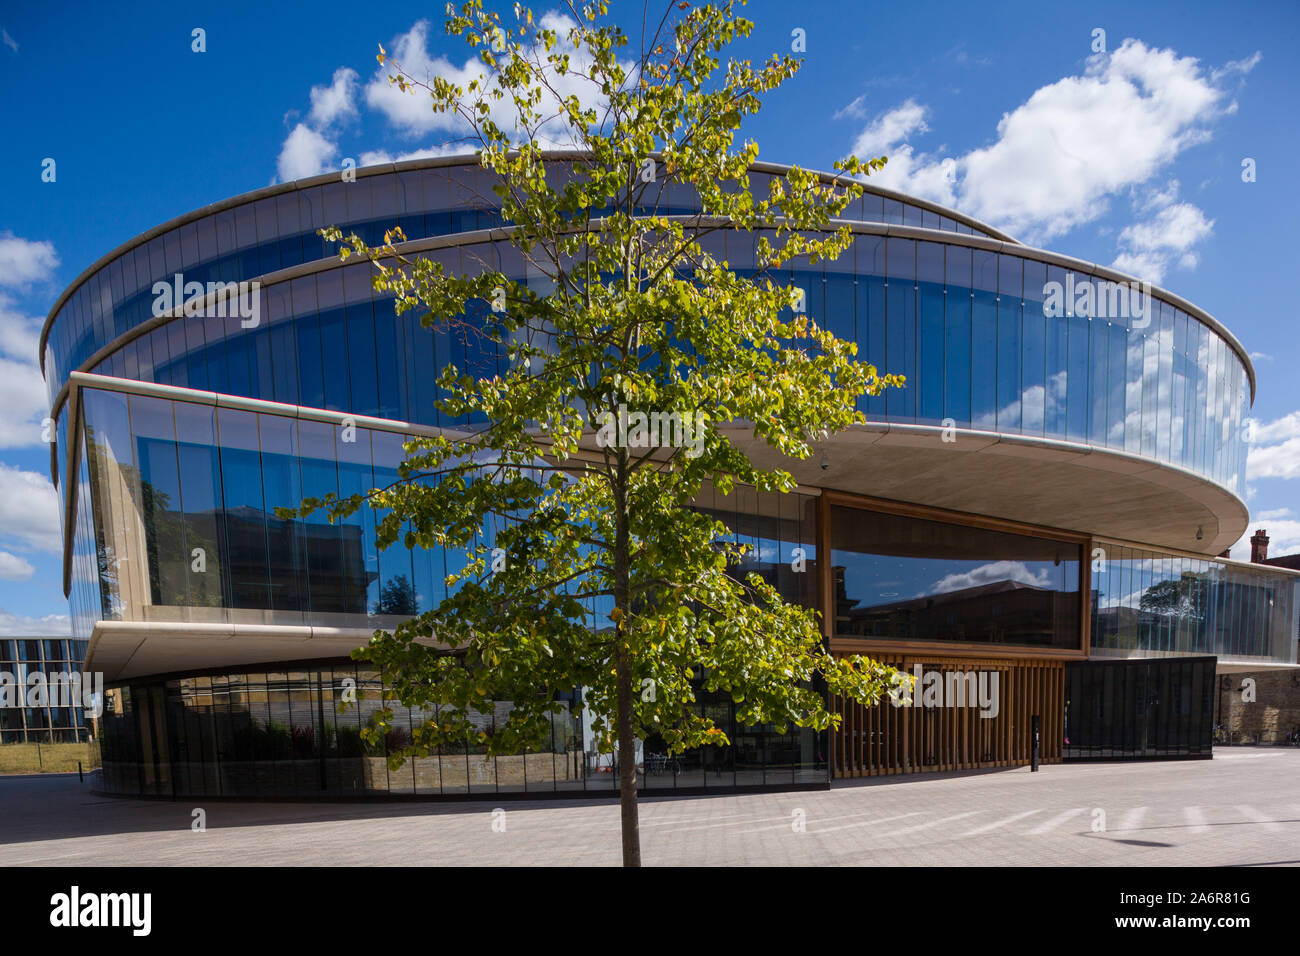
[(887, 739)]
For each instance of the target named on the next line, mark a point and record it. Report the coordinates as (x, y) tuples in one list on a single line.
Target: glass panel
[(958, 368), (243, 522), (910, 579)]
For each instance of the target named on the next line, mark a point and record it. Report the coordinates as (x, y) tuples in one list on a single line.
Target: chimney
[(1259, 547)]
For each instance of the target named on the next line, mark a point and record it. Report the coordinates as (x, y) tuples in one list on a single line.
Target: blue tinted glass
[(283, 343), (397, 590), (437, 202), (1055, 345), (1010, 353), (197, 450), (334, 570), (1076, 388), (268, 235), (333, 341), (984, 340), (958, 302), (360, 357), (390, 356), (282, 488), (1033, 374), (1117, 377), (155, 450), (901, 333), (289, 228), (930, 333), (244, 517), (356, 476), (869, 254), (1098, 392)]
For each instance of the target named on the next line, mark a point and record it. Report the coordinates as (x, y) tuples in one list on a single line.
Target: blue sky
[(1130, 157)]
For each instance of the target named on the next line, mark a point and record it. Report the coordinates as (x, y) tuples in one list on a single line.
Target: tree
[(397, 597), (599, 574)]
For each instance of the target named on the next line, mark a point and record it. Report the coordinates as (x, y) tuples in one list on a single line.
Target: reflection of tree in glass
[(397, 596), (1183, 599), (170, 540)]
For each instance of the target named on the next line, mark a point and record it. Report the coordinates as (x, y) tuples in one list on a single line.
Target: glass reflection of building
[(56, 716), (1097, 466)]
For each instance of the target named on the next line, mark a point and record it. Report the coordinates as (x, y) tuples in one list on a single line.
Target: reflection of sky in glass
[(871, 579)]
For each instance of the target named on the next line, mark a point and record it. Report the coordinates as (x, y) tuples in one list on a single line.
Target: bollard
[(1033, 766), (80, 778)]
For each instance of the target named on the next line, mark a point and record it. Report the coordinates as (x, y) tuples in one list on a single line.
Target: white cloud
[(23, 398), (305, 153), (856, 110), (19, 625), (24, 262), (1281, 460), (20, 334), (29, 510), (14, 568), (1061, 156), (336, 102), (1149, 248), (1274, 448), (412, 113), (311, 146), (991, 574), (1282, 528), (9, 41), (376, 157), (1288, 426), (1147, 197), (23, 394), (893, 126)]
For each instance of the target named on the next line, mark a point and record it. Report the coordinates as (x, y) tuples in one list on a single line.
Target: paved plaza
[(1242, 808)]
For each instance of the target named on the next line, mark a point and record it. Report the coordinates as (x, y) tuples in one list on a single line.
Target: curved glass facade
[(252, 239), (176, 493), (1150, 603), (966, 326)]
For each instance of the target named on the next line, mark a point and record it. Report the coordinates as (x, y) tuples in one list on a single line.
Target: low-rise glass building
[(1052, 485), (38, 700)]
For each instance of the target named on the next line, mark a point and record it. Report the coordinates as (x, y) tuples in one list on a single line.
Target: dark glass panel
[(243, 521), (911, 579), (200, 468)]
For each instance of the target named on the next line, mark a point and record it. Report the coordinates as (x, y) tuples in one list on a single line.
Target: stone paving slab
[(1241, 808)]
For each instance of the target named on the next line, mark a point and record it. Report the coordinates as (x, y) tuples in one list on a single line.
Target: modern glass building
[(1052, 485), (56, 714)]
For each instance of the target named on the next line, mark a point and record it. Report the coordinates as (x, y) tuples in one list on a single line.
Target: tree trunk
[(623, 671), (627, 765)]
